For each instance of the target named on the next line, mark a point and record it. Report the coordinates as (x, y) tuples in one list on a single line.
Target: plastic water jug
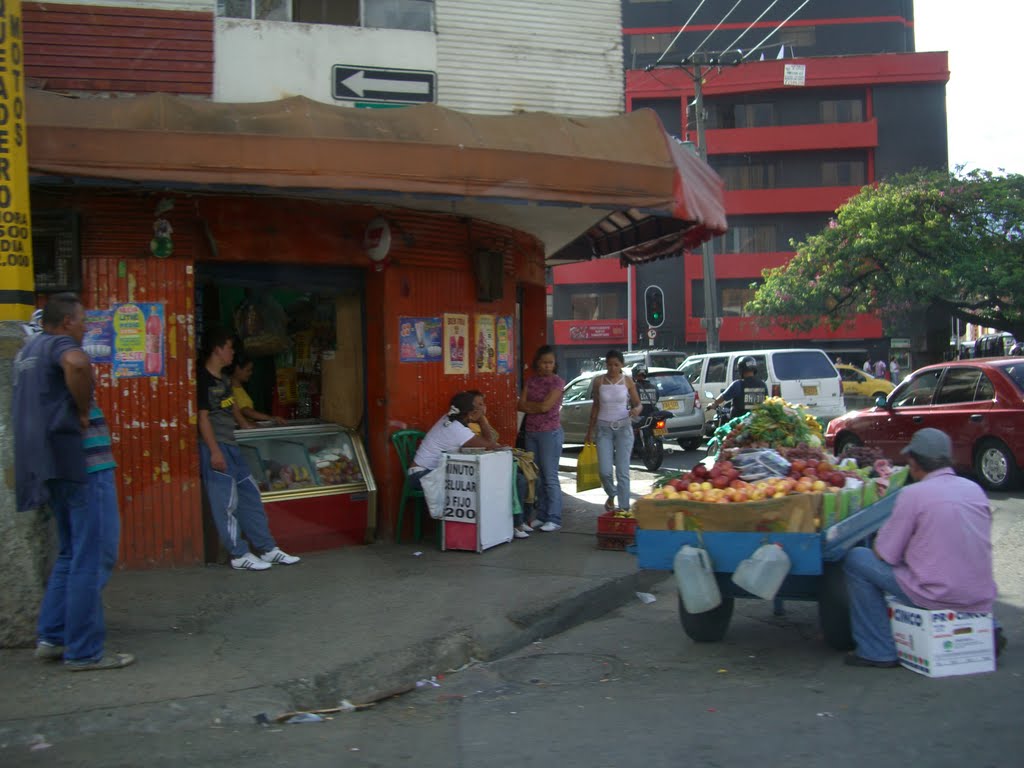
[(695, 579), (762, 573)]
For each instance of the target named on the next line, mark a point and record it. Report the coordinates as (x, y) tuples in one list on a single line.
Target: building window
[(844, 173), (754, 115), (384, 14), (750, 176), (594, 306), (733, 296), (55, 257), (798, 37), (669, 111), (842, 111), (756, 238)]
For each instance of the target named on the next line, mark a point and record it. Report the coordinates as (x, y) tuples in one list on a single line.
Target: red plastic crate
[(615, 532), (607, 523)]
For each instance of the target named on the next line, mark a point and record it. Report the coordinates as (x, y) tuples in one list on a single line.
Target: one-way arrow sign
[(405, 86)]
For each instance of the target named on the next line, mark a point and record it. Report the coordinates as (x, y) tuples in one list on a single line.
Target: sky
[(984, 103)]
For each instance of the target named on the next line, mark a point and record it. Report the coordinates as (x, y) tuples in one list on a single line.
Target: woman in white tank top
[(615, 402)]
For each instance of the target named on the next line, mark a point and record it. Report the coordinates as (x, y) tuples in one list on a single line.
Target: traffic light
[(654, 306)]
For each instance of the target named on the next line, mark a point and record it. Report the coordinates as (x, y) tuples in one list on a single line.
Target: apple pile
[(722, 483)]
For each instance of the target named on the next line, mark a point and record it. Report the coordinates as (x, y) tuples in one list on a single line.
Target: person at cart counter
[(934, 552), (240, 372), (746, 392), (235, 502)]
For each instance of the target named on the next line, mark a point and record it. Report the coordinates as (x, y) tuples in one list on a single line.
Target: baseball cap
[(930, 443)]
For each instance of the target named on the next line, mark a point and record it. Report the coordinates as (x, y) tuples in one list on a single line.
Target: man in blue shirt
[(63, 459)]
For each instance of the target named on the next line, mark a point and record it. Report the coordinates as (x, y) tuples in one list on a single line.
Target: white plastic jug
[(696, 580), (762, 573)]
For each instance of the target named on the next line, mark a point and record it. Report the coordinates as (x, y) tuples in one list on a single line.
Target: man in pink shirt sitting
[(935, 551)]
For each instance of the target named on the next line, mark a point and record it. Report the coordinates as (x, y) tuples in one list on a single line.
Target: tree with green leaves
[(948, 245)]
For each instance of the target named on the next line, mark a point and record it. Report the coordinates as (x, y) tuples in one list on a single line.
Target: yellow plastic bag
[(588, 476)]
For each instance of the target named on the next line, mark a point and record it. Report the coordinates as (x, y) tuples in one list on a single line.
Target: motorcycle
[(722, 414), (648, 434)]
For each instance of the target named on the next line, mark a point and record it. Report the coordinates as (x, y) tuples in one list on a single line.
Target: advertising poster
[(456, 337), (138, 331), (486, 354), (419, 339), (98, 341), (505, 344)]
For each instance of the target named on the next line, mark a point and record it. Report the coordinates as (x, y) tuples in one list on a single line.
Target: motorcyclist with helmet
[(646, 391), (746, 392)]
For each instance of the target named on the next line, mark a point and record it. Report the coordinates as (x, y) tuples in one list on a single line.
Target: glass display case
[(315, 481)]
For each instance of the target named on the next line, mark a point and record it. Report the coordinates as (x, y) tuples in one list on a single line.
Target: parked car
[(675, 394), (978, 403), (801, 376), (857, 383)]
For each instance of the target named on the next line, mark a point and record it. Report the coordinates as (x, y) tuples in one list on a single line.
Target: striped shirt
[(98, 455)]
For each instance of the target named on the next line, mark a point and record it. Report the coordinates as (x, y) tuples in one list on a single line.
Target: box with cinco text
[(942, 642)]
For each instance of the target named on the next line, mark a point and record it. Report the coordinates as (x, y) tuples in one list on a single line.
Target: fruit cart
[(815, 573)]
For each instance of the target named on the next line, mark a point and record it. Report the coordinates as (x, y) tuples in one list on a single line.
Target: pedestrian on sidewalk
[(63, 459), (235, 503), (616, 402), (934, 552), (894, 371), (868, 368), (541, 401), (880, 368), (479, 425)]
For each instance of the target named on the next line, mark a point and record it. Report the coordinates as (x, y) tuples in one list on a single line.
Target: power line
[(729, 47), (727, 15), (680, 32), (781, 25)]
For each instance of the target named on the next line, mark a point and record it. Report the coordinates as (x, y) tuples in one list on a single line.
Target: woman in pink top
[(541, 401)]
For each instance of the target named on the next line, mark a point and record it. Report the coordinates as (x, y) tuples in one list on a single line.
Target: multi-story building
[(858, 105)]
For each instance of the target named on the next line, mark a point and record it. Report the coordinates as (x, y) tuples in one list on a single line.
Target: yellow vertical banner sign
[(17, 281)]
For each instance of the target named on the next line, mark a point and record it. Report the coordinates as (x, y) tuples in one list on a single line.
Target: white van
[(800, 376)]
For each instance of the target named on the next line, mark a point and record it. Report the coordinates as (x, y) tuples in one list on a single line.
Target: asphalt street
[(631, 689)]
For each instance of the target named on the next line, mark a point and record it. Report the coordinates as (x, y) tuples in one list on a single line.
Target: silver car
[(675, 394)]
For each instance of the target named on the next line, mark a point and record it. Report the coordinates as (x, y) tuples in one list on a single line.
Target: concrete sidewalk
[(220, 645)]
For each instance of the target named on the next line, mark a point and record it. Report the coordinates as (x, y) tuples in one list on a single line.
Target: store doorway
[(301, 332)]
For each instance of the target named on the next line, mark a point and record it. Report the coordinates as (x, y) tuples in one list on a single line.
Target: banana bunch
[(300, 473), (623, 513)]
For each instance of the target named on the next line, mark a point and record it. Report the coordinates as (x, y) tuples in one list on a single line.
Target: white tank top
[(614, 399)]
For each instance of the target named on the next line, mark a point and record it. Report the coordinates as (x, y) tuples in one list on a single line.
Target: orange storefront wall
[(153, 421)]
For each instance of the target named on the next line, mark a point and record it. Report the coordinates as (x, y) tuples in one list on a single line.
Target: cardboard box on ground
[(942, 642), (797, 513)]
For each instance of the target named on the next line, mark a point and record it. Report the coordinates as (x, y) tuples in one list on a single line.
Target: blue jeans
[(868, 580), (235, 502), (614, 449), (88, 529), (547, 450)]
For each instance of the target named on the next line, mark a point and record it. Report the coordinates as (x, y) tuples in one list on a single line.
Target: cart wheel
[(707, 627), (834, 608)]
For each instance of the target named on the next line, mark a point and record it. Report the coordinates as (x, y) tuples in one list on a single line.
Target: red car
[(978, 403)]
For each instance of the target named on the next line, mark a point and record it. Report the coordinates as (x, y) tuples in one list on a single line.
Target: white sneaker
[(549, 527), (248, 562), (519, 533), (277, 556), (525, 528), (537, 524)]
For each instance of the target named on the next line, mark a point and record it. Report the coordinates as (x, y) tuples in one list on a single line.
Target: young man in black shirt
[(746, 392), (234, 497)]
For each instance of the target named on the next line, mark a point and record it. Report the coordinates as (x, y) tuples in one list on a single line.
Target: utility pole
[(696, 67)]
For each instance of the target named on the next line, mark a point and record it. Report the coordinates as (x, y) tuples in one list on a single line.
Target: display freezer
[(315, 482)]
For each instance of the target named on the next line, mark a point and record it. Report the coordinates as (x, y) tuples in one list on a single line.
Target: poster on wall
[(419, 339), (456, 332), (138, 331), (485, 351), (98, 341), (504, 343)]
